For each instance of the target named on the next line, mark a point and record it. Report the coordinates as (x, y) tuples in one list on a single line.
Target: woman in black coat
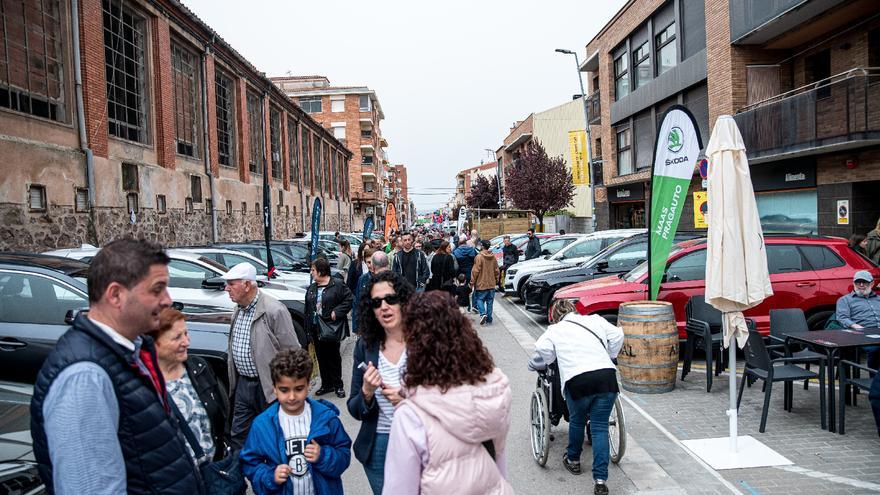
[(442, 269), (327, 299)]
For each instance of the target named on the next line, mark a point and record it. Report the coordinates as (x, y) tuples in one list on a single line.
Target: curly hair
[(442, 347), (291, 363), (369, 327)]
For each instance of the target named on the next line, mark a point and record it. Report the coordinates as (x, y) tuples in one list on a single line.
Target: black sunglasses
[(391, 299)]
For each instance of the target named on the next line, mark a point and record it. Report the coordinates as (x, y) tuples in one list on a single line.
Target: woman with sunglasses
[(375, 385)]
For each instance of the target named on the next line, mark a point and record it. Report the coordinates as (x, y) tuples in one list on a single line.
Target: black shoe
[(323, 391), (574, 467), (340, 392), (600, 488)]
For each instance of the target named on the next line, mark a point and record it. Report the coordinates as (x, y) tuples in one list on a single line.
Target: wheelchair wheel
[(617, 432), (540, 429)]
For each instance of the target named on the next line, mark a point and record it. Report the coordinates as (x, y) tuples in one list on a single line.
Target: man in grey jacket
[(261, 326)]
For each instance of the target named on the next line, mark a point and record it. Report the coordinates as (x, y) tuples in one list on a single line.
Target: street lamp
[(587, 133)]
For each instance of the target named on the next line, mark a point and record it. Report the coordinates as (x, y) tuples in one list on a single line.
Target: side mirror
[(72, 314), (177, 305), (602, 265), (214, 283), (545, 252), (519, 252)]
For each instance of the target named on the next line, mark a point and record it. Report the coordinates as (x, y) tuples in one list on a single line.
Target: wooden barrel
[(648, 360)]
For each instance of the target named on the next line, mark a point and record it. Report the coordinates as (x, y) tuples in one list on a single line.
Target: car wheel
[(521, 290), (611, 318), (817, 320)]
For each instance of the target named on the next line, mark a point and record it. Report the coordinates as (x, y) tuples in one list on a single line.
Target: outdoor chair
[(850, 376), (759, 366), (703, 329), (791, 320)]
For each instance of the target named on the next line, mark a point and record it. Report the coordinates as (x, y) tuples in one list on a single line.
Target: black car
[(18, 470), (620, 257), (40, 294)]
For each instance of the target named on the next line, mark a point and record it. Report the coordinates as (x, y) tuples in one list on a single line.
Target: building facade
[(136, 118), (396, 192), (353, 115), (798, 77), (464, 180)]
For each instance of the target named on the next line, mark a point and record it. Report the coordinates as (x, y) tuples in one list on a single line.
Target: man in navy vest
[(100, 415)]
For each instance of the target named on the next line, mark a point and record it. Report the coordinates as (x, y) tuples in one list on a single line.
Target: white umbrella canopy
[(736, 261)]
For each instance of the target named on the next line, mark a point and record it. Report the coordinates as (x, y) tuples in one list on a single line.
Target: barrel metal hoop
[(642, 336), (666, 365), (664, 318)]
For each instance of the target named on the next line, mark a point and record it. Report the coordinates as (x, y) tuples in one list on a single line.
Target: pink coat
[(436, 439)]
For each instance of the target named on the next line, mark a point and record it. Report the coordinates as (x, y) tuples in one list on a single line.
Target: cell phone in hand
[(363, 366)]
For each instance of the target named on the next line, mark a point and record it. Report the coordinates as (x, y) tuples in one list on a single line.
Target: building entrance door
[(629, 215)]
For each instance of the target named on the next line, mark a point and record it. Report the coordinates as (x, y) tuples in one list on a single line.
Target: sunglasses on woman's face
[(391, 299)]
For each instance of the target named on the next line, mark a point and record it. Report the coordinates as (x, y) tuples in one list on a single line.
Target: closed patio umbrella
[(736, 261)]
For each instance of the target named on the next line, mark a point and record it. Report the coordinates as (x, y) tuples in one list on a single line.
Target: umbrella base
[(750, 453)]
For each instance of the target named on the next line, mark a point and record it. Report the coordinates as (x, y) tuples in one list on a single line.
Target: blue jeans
[(598, 408), (484, 299), (375, 467)]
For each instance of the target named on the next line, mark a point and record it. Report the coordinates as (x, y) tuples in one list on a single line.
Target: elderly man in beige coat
[(261, 326)]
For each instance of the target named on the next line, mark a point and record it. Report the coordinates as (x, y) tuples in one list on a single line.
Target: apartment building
[(396, 192), (553, 128), (465, 178), (353, 115), (797, 75), (136, 118)]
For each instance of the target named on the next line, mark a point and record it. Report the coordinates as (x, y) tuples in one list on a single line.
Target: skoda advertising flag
[(368, 227), (675, 154), (316, 229)]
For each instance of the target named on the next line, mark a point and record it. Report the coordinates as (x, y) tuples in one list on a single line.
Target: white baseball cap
[(241, 271)]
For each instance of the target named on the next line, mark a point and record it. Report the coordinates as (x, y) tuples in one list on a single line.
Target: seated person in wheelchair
[(583, 347)]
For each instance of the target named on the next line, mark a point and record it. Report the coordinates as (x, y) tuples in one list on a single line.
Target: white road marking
[(866, 485)]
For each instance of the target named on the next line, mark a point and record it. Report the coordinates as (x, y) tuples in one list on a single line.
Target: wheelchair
[(548, 407)]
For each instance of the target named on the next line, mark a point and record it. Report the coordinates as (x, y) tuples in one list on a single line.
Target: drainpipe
[(208, 170), (81, 123)]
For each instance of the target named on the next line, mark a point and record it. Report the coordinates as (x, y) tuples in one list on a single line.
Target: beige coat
[(486, 272), (271, 331)]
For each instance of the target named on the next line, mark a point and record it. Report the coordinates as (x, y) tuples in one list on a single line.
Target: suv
[(520, 241), (231, 257), (287, 255), (584, 248), (40, 294), (806, 272), (620, 257)]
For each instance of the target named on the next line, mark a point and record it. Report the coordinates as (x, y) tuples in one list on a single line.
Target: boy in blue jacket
[(297, 445)]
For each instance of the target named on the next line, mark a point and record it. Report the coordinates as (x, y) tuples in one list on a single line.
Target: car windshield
[(553, 246), (282, 260), (214, 264)]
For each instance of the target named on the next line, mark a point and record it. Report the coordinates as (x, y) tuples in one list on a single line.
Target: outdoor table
[(832, 341)]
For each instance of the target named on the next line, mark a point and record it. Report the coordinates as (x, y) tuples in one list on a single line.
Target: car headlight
[(511, 272)]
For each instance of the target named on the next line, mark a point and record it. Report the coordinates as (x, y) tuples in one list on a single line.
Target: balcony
[(838, 113), (594, 109)]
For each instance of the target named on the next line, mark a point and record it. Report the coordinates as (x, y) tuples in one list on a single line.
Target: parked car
[(520, 241), (40, 294), (574, 249), (231, 257), (807, 272), (287, 259), (326, 249), (620, 257), (195, 279), (18, 468)]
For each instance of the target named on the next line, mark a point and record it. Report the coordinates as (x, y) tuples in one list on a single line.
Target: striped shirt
[(241, 340), (296, 437), (392, 376)]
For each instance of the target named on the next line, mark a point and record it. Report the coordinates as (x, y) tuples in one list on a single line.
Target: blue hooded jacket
[(264, 451), (465, 256)]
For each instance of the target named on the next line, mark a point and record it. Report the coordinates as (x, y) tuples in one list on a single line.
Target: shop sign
[(791, 174), (629, 192), (701, 210)]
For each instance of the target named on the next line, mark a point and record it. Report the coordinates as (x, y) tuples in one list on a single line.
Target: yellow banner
[(701, 209), (580, 170)]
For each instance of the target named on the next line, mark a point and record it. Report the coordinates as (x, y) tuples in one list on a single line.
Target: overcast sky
[(451, 76)]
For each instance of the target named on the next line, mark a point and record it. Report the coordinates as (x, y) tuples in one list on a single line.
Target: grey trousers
[(248, 402)]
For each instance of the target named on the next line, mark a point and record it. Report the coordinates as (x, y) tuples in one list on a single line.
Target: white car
[(195, 279), (576, 252), (231, 257)]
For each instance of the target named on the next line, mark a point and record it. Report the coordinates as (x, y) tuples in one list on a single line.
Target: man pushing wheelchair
[(583, 348)]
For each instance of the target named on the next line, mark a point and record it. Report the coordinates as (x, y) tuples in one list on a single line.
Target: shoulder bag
[(223, 477)]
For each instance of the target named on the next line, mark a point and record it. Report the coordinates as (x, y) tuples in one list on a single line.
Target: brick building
[(353, 115), (796, 75), (466, 177), (396, 192), (168, 139)]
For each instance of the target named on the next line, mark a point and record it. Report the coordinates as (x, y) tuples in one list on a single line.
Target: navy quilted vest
[(156, 459)]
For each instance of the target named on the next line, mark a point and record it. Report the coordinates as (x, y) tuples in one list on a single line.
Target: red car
[(807, 272)]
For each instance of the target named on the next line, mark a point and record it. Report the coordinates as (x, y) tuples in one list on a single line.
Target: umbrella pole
[(731, 364)]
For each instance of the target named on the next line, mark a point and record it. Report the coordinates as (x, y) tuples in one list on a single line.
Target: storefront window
[(788, 212)]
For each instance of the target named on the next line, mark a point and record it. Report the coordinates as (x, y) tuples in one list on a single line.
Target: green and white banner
[(675, 154)]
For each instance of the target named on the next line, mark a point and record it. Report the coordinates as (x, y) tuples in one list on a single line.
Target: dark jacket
[(511, 255), (336, 298), (442, 271), (264, 451), (873, 247), (463, 295), (214, 398), (155, 453), (533, 249), (422, 269), (355, 270), (465, 256), (366, 413)]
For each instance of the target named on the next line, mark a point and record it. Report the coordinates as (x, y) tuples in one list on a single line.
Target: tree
[(537, 182), (484, 193)]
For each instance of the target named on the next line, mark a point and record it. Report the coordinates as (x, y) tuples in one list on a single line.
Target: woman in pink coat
[(449, 434)]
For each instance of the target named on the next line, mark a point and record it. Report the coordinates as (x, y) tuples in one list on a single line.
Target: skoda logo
[(674, 140)]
